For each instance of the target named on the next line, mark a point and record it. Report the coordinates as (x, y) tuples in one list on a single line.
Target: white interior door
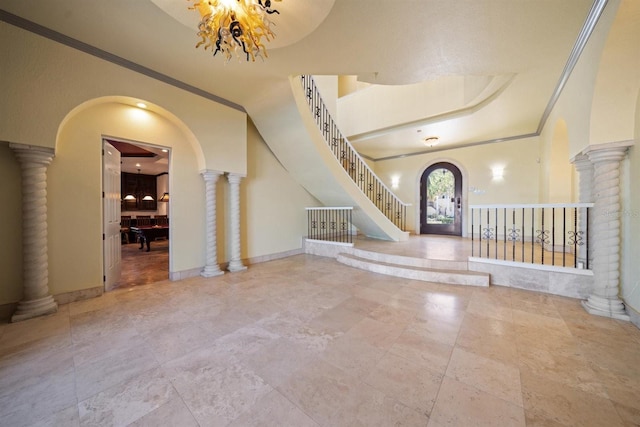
[(111, 213)]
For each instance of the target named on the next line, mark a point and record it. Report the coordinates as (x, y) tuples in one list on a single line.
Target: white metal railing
[(546, 234)]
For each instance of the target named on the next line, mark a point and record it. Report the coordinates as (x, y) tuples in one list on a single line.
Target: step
[(407, 261), (454, 277)]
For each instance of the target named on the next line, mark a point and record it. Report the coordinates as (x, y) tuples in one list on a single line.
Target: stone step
[(407, 261), (415, 272)]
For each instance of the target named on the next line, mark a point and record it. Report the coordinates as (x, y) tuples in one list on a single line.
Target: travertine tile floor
[(305, 341)]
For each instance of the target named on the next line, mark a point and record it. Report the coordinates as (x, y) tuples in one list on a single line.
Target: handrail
[(351, 161), (533, 205)]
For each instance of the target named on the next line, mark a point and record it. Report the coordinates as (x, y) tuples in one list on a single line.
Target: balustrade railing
[(330, 224), (546, 234), (368, 182)]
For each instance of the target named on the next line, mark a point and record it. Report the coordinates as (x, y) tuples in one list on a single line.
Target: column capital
[(581, 162), (33, 153), (235, 178), (612, 151), (211, 175)]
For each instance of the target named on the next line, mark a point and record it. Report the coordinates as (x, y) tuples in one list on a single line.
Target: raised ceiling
[(383, 42)]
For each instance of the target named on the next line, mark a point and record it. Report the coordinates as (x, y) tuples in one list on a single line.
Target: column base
[(34, 308), (613, 308), (236, 265), (211, 271)]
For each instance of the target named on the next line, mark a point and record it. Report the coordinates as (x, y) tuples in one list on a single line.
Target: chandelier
[(235, 27)]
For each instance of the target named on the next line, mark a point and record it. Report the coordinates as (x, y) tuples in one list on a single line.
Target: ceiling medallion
[(235, 27)]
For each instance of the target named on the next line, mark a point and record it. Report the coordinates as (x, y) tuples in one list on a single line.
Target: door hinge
[(104, 278), (103, 237), (103, 194)]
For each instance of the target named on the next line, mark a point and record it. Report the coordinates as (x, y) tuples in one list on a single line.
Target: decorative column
[(585, 170), (36, 300), (604, 300), (211, 268), (234, 186)]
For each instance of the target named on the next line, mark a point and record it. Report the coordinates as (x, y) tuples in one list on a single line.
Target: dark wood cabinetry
[(139, 186)]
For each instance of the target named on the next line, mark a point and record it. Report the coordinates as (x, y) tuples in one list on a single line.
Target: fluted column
[(234, 189), (604, 300), (211, 268), (36, 300), (584, 167)]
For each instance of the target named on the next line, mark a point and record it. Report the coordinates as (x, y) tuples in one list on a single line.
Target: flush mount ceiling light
[(430, 141), (235, 27)]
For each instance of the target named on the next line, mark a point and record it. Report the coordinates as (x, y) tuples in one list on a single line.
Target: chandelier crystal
[(235, 27)]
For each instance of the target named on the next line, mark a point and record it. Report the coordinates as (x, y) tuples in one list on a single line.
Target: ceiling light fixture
[(430, 141), (141, 105), (235, 26)]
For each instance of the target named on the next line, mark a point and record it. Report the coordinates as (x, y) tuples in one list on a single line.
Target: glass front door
[(441, 200)]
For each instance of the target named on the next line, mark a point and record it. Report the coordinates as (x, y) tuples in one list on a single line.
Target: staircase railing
[(361, 174), (330, 224)]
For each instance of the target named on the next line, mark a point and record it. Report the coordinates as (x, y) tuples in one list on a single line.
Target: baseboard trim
[(634, 316), (272, 257), (73, 296), (6, 311), (195, 272)]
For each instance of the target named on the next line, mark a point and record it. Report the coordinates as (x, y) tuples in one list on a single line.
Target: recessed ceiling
[(141, 158), (298, 19), (386, 42)]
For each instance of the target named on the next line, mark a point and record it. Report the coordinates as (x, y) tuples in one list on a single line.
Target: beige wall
[(274, 217), (631, 221), (43, 81), (75, 186), (557, 174), (518, 158), (75, 100), (10, 227)]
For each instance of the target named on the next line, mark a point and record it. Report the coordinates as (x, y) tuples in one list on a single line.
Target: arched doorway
[(441, 200)]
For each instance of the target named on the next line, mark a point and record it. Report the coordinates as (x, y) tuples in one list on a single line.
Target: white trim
[(535, 205), (328, 242), (327, 208), (539, 267)]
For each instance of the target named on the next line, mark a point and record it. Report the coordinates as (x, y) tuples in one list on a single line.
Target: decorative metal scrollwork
[(388, 206), (318, 112), (513, 235), (361, 177), (352, 166), (314, 224), (332, 225), (326, 127), (542, 237), (370, 186), (334, 143), (379, 196), (323, 225), (576, 238), (398, 215), (343, 226), (343, 155), (309, 94), (487, 233)]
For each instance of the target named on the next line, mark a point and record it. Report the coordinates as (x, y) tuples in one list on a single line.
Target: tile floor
[(140, 267), (305, 341)]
